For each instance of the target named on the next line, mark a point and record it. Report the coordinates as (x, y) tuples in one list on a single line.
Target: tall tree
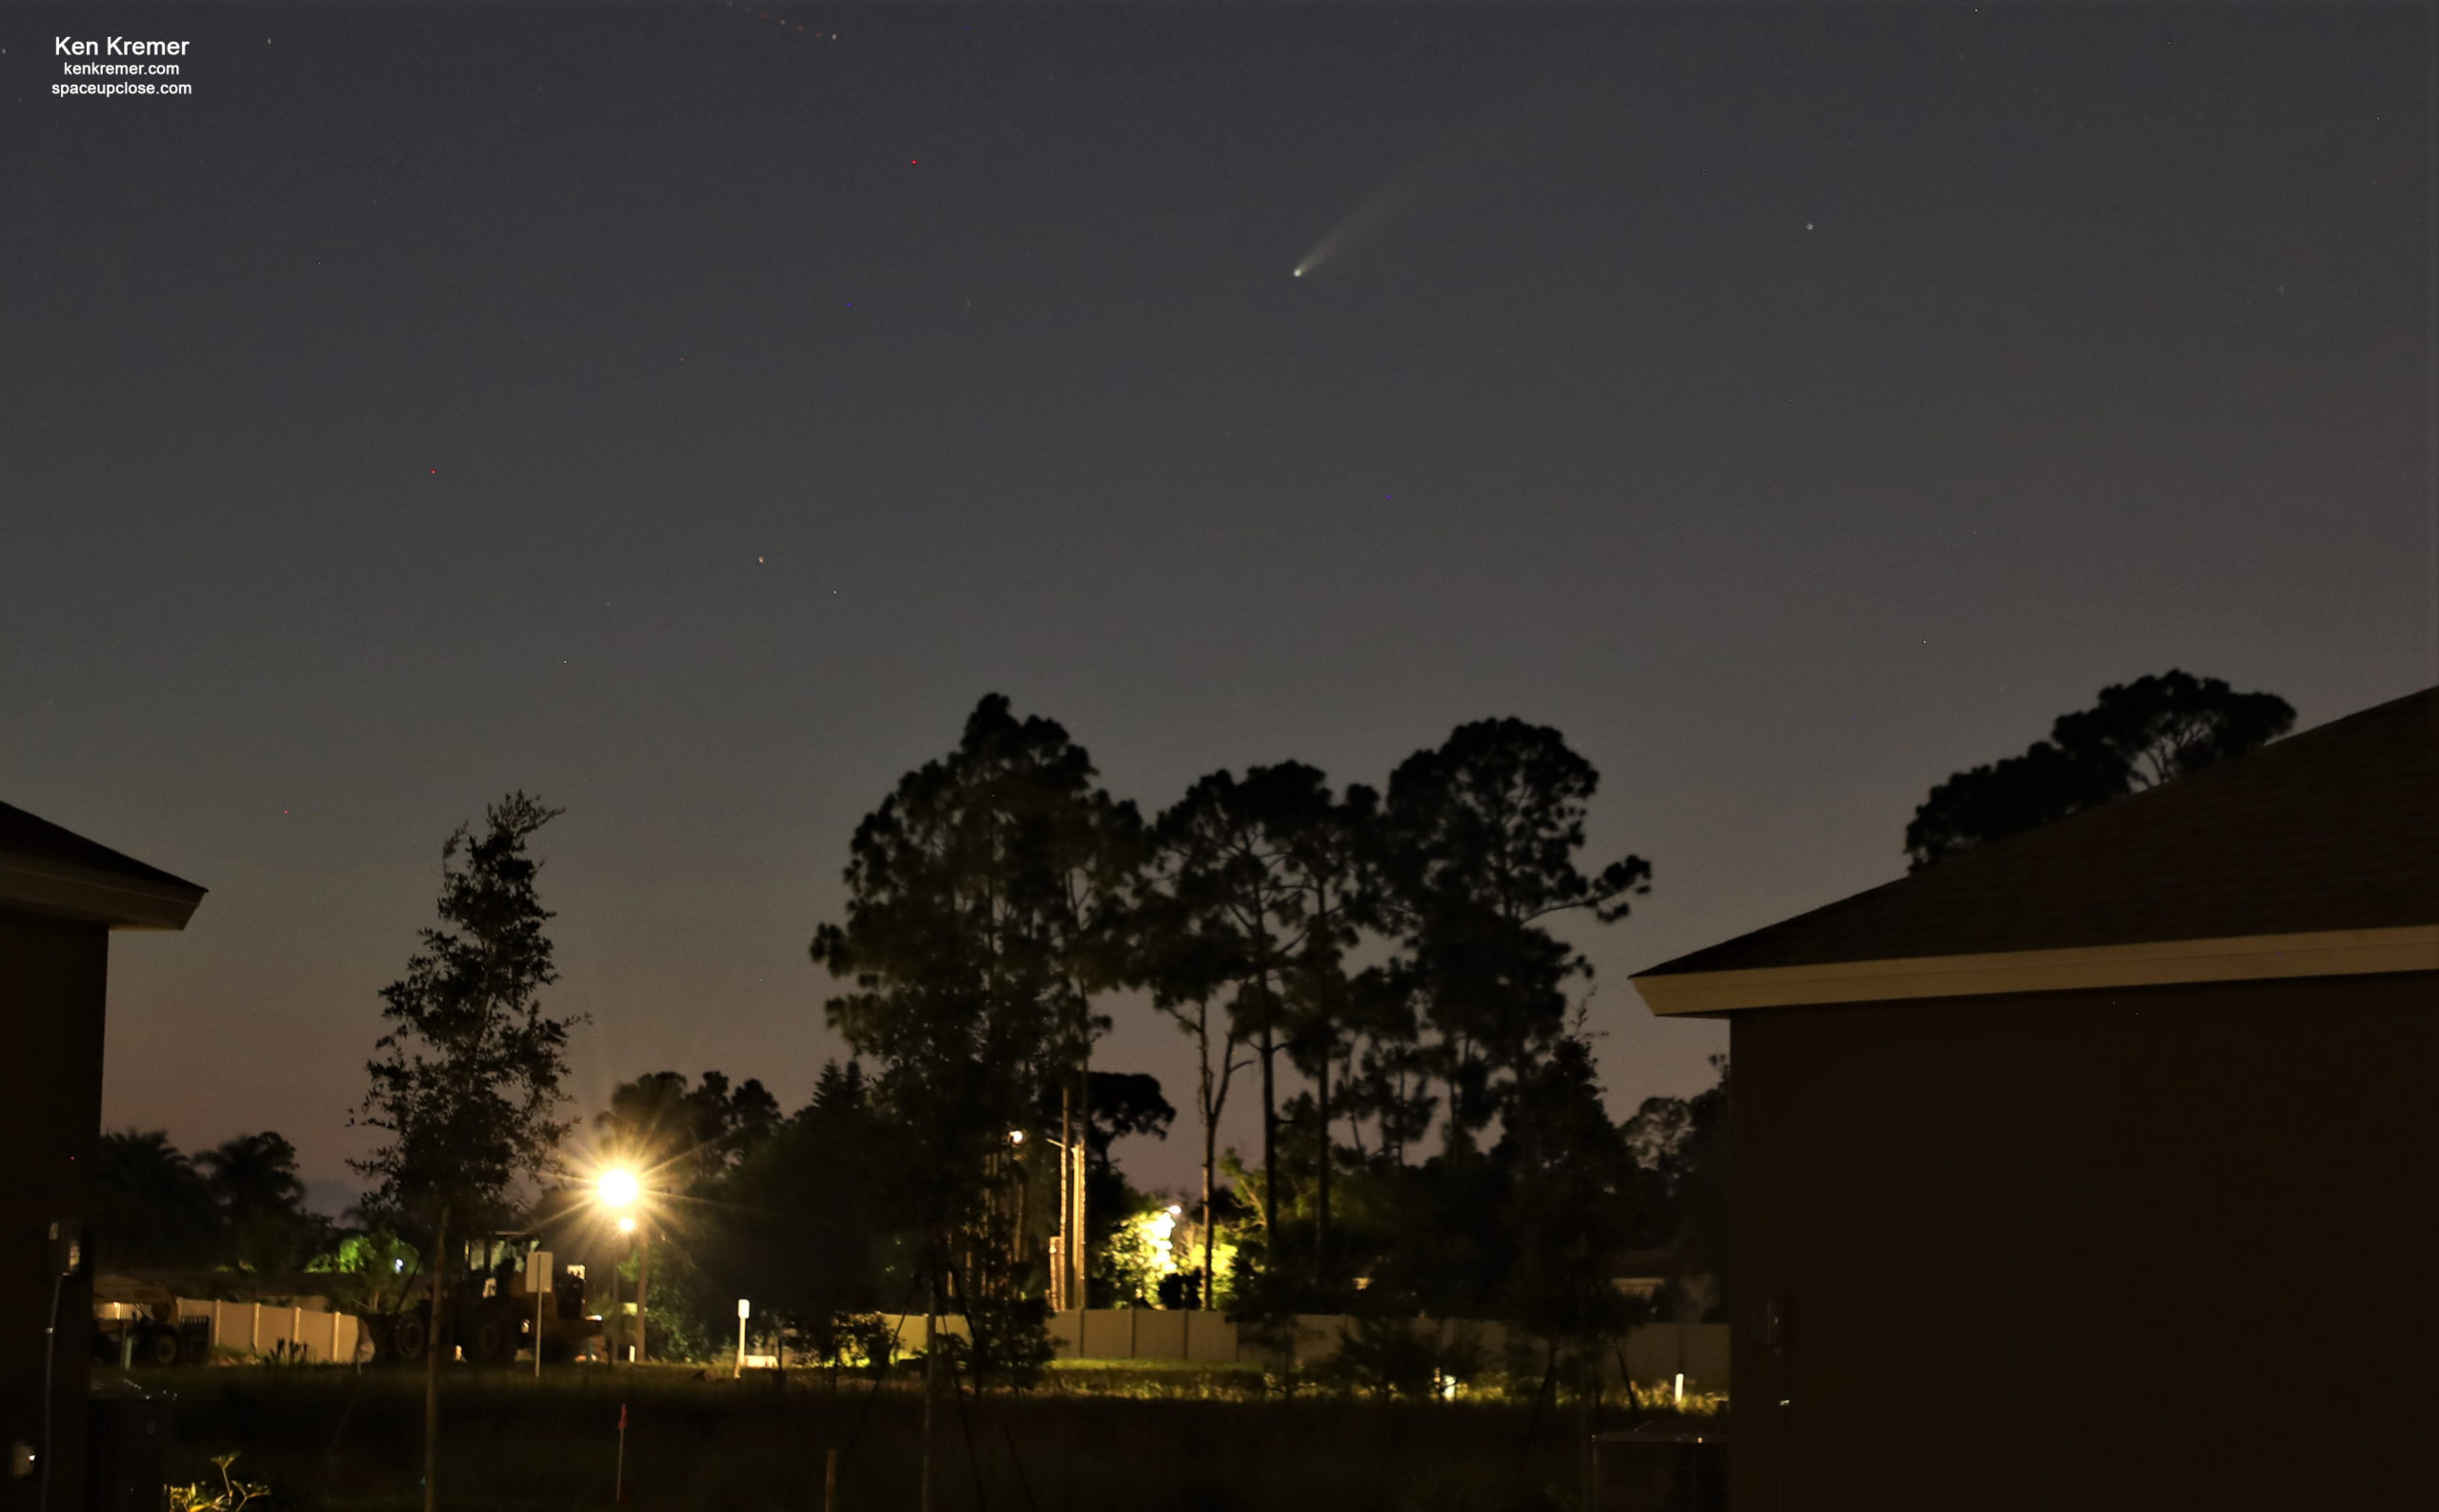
[(254, 1182), (1326, 843), (150, 1206), (1390, 1075), (1093, 855), (792, 1222), (1681, 1143), (2136, 734), (1240, 904), (1478, 853), (1188, 964), (1571, 1176), (254, 1174), (1124, 1103), (466, 1085), (680, 1134), (986, 903)]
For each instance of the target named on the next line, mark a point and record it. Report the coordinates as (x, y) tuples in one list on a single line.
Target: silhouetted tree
[(1571, 1180), (794, 1223), (1124, 1103), (986, 903), (1477, 852), (1390, 1072), (261, 1201), (1681, 1145), (467, 1083), (682, 1135), (1240, 857), (150, 1206), (2135, 736), (1188, 960), (1326, 844)]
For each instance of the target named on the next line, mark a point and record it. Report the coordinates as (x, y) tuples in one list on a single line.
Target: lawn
[(1094, 1439)]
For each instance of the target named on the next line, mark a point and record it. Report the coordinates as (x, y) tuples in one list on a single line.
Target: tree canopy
[(466, 1089), (1478, 848), (679, 1134), (985, 906), (2136, 734), (152, 1207)]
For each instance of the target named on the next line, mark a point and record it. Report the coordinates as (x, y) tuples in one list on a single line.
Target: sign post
[(538, 1281)]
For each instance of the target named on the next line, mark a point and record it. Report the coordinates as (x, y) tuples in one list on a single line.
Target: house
[(2190, 1040), (60, 897)]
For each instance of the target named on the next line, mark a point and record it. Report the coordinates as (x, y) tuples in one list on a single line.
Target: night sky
[(688, 415)]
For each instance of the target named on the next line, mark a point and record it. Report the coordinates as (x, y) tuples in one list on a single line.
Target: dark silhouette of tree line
[(1378, 968), (2135, 736), (1381, 962), (240, 1206)]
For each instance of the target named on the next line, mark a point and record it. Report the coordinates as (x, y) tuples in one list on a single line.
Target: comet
[(1440, 166)]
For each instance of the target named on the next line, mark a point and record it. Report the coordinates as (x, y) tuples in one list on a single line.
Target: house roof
[(2330, 839), (45, 869)]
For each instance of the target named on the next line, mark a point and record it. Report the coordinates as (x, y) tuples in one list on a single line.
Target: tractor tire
[(158, 1346), (492, 1340), (410, 1336)]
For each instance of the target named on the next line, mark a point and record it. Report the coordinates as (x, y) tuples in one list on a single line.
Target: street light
[(621, 1188)]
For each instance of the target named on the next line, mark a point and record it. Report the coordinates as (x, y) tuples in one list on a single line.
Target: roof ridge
[(2323, 830)]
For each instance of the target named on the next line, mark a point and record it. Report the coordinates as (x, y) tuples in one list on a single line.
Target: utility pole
[(1062, 1294), (643, 1284), (538, 1281)]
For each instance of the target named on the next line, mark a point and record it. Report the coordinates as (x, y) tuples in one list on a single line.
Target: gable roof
[(45, 869), (2328, 837)]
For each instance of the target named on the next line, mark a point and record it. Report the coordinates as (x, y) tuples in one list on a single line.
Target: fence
[(282, 1330), (1653, 1352)]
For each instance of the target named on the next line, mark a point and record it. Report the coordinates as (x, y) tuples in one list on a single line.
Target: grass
[(1096, 1439)]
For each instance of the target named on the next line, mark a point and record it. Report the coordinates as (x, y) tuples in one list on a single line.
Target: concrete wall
[(2156, 1247), (54, 975), (1661, 1351), (909, 1328), (305, 1330)]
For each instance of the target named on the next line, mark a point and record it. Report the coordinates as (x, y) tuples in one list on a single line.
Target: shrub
[(232, 1496)]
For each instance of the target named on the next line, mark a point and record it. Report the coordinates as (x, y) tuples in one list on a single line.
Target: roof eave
[(60, 890), (2331, 952)]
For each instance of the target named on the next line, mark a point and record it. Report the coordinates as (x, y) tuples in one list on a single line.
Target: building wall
[(2170, 1247), (52, 976)]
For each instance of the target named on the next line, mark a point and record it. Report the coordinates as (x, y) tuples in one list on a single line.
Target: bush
[(1397, 1356), (232, 1496)]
